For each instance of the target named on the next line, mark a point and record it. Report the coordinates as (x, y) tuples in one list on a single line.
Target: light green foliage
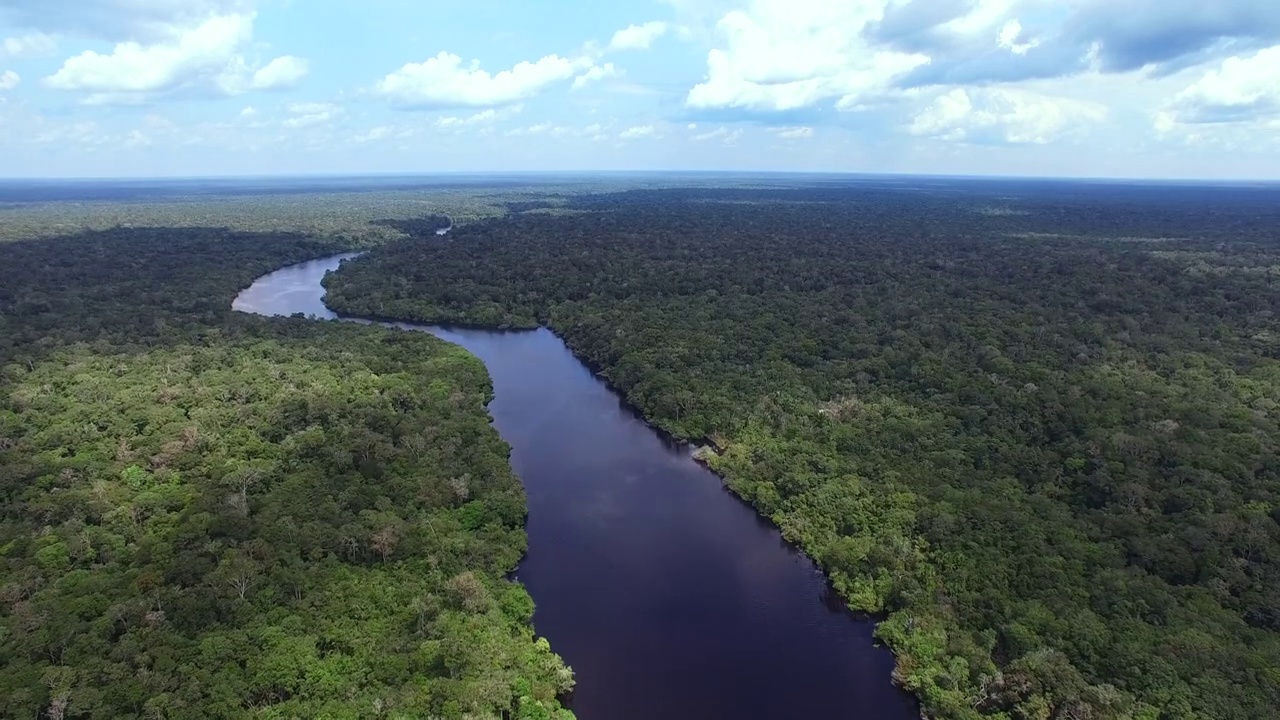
[(204, 514), (333, 213), (340, 216)]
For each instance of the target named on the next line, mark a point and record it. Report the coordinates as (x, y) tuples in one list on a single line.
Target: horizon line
[(587, 174)]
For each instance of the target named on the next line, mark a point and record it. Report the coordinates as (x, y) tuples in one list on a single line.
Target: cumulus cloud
[(207, 58), (1011, 38), (84, 133), (443, 81), (989, 41), (32, 44), (1004, 115), (454, 121), (1240, 90), (596, 72), (479, 124), (282, 73), (595, 132), (638, 37), (207, 51), (9, 80), (780, 55), (310, 113), (543, 128), (794, 133), (796, 58), (137, 138), (637, 132), (374, 134), (722, 133)]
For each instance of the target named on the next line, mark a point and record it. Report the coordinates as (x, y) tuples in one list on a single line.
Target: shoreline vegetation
[(212, 513), (704, 451), (1011, 498)]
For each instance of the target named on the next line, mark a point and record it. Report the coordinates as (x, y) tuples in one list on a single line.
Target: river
[(669, 597)]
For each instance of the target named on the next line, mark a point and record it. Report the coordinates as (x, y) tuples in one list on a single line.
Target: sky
[(1083, 88)]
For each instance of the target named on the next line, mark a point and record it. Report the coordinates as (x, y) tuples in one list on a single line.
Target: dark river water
[(670, 598)]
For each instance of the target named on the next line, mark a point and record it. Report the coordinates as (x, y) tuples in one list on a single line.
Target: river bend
[(669, 597)]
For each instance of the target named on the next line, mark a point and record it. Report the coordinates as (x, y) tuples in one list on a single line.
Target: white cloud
[(638, 37), (310, 113), (9, 80), (207, 58), (86, 133), (782, 55), (281, 73), (543, 128), (32, 44), (207, 51), (1009, 37), (443, 81), (597, 72), (788, 55), (722, 133), (946, 117), (538, 129), (637, 132), (484, 116), (1004, 115), (595, 132), (136, 138), (453, 121), (794, 133), (159, 123), (248, 112), (1239, 90), (374, 134)]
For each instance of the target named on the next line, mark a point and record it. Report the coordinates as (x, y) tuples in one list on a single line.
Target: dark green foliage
[(1038, 433), (419, 227), (132, 287), (205, 514)]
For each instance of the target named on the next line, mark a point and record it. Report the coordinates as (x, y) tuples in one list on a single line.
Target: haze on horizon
[(1094, 88)]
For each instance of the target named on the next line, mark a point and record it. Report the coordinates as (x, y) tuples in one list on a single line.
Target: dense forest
[(1038, 430), (208, 514)]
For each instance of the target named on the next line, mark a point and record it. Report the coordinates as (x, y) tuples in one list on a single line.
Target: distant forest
[(205, 514), (1038, 430)]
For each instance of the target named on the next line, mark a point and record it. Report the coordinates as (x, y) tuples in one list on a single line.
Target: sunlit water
[(669, 597)]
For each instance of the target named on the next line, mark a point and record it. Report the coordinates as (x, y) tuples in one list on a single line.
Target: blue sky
[(1102, 88)]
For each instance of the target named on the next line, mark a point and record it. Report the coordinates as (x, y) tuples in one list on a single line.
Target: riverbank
[(695, 605)]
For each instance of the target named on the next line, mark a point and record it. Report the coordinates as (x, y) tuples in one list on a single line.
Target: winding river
[(670, 598)]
